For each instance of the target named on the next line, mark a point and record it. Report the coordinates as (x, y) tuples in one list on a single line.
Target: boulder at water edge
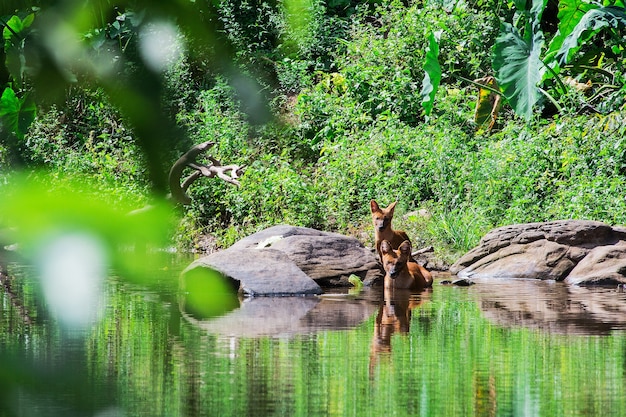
[(287, 260), (575, 251)]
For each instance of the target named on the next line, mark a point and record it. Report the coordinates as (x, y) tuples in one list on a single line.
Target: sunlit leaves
[(432, 73), (16, 113), (589, 25), (518, 69), (570, 13), (517, 62)]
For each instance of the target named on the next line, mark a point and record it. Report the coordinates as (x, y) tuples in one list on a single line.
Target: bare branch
[(215, 168), (423, 250)]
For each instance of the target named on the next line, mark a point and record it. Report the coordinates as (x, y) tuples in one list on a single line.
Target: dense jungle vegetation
[(328, 104)]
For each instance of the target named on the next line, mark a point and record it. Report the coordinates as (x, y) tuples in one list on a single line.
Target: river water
[(500, 348)]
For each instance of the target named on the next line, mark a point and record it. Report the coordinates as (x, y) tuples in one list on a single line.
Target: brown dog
[(399, 271), (382, 227)]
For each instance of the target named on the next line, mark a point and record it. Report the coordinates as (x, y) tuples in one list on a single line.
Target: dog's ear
[(374, 206), (405, 247), (391, 207), (385, 247)]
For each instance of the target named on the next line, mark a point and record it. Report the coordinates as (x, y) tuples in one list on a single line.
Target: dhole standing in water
[(399, 271), (382, 227)]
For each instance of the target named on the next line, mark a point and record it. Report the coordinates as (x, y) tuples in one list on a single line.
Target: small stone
[(463, 282)]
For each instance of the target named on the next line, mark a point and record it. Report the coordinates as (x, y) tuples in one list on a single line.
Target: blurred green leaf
[(207, 293), (36, 211)]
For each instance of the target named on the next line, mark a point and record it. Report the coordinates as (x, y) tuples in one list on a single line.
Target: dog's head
[(394, 260), (382, 217)]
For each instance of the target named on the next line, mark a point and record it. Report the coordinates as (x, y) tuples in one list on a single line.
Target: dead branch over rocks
[(228, 173)]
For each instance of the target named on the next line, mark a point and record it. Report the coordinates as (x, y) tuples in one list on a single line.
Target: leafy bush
[(380, 73), (87, 136), (285, 44)]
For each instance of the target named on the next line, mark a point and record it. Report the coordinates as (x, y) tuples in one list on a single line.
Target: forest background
[(328, 104)]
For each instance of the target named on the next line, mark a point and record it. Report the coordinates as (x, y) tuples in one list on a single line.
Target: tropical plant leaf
[(588, 26), (14, 34), (14, 26), (518, 68), (432, 73), (16, 114), (570, 13)]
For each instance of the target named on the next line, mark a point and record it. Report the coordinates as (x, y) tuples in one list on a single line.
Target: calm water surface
[(520, 348)]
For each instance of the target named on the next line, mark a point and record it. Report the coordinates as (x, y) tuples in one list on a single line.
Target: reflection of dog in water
[(394, 316)]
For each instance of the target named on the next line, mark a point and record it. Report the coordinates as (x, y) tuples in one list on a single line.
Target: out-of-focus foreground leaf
[(134, 239)]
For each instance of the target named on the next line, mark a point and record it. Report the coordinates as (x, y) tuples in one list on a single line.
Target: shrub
[(86, 136), (381, 69)]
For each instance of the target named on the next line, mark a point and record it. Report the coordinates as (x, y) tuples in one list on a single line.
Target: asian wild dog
[(382, 227), (399, 271)]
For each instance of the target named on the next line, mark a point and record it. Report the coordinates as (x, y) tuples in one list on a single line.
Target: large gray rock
[(288, 260), (602, 265), (260, 272), (579, 252), (328, 258)]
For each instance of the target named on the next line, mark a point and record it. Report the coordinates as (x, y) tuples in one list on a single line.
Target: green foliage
[(278, 191), (589, 25), (17, 108), (527, 175), (432, 75), (283, 41), (15, 32), (86, 136), (460, 228), (521, 68), (381, 72), (350, 126), (517, 64), (17, 114), (570, 13), (44, 207)]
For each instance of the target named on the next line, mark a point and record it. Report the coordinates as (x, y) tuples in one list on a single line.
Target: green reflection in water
[(144, 359)]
